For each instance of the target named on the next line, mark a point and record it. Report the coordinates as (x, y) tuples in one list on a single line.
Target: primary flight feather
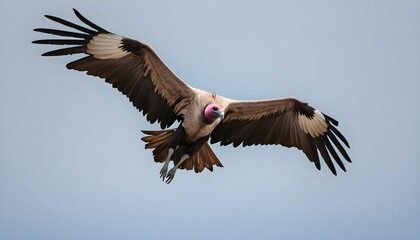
[(136, 70)]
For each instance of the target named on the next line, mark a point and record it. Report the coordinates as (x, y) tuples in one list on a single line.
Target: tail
[(204, 158), (159, 142)]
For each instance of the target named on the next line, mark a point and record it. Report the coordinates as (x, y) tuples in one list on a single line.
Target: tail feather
[(156, 142), (204, 158), (159, 142), (211, 156)]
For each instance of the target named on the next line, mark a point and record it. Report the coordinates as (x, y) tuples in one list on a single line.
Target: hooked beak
[(220, 113)]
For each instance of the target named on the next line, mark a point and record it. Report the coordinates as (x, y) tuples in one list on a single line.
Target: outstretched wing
[(130, 66), (287, 122)]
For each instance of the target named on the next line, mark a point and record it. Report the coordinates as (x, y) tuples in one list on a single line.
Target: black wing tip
[(339, 135), (333, 153), (78, 14), (332, 168), (48, 41), (322, 149), (332, 120), (88, 22), (49, 54), (50, 17), (334, 172), (346, 143), (318, 166), (74, 10)]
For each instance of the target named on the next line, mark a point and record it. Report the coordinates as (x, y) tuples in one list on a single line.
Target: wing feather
[(339, 146), (130, 66), (61, 33), (70, 24), (288, 122), (324, 153), (334, 154)]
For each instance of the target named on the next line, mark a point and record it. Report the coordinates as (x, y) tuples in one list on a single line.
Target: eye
[(214, 109)]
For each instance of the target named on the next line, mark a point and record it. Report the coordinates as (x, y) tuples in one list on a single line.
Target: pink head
[(213, 111)]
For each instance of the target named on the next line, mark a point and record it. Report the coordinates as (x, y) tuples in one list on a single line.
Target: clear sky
[(72, 165)]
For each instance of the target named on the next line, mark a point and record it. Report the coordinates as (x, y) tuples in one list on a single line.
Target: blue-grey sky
[(72, 165)]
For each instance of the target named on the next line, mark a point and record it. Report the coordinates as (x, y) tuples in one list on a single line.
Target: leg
[(171, 173), (164, 169), (189, 151), (177, 137)]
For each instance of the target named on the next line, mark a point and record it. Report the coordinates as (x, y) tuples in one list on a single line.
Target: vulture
[(136, 70)]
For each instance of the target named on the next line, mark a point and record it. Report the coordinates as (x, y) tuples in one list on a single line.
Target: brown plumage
[(136, 70), (159, 140)]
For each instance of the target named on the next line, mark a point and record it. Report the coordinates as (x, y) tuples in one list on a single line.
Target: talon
[(163, 172), (170, 176), (163, 177)]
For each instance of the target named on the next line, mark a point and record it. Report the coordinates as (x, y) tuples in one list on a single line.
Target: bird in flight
[(136, 70)]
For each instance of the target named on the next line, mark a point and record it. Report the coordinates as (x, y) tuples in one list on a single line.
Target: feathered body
[(136, 70)]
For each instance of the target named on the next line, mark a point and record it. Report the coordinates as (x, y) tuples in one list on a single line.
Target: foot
[(163, 172), (170, 176), (164, 169)]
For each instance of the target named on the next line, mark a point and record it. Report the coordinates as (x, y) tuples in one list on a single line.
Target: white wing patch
[(106, 46), (316, 126)]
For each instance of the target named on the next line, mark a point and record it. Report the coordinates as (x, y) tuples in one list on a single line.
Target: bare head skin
[(212, 112)]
